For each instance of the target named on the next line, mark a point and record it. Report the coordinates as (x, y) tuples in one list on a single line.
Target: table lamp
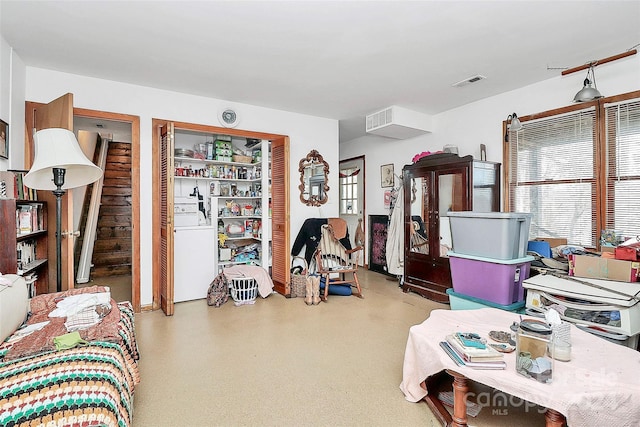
[(59, 164)]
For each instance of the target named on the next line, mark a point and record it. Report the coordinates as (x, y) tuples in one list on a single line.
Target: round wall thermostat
[(228, 117)]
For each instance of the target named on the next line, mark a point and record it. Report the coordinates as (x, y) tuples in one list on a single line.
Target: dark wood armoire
[(433, 186)]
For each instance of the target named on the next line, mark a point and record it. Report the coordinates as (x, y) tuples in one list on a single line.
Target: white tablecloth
[(599, 386)]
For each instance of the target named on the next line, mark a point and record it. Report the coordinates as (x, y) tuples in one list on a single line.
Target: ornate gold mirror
[(314, 173)]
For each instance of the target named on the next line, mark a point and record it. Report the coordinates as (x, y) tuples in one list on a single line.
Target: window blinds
[(579, 172), (622, 134), (553, 176)]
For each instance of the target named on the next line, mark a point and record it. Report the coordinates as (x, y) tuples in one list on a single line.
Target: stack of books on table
[(468, 349)]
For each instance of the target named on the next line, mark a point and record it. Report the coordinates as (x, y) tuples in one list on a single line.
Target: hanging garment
[(359, 237), (395, 237), (309, 237)]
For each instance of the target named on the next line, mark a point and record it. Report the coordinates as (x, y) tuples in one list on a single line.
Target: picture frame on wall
[(386, 175), (4, 139), (387, 199)]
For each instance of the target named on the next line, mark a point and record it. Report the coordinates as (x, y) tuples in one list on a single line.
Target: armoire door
[(434, 185)]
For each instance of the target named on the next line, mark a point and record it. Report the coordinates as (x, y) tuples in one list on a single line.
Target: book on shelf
[(473, 353), (30, 280), (459, 360), (24, 217), (25, 254), (29, 218), (14, 187)]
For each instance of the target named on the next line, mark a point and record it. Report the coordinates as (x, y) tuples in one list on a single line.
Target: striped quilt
[(82, 386)]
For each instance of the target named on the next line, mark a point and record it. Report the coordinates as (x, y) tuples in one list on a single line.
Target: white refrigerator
[(194, 261)]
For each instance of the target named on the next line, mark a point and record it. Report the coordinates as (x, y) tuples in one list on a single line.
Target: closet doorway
[(61, 113), (163, 207), (352, 198), (103, 252)]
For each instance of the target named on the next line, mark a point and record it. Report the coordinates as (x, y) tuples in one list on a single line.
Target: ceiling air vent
[(469, 80), (397, 122)]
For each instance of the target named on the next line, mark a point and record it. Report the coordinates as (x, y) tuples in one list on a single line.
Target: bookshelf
[(23, 242)]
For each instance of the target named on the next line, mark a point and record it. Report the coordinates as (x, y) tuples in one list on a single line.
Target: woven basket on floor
[(299, 281)]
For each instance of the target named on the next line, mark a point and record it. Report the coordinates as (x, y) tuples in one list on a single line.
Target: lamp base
[(58, 180)]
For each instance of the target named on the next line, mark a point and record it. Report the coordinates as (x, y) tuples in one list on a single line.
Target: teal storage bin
[(465, 302)]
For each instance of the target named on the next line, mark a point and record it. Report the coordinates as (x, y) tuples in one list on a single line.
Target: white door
[(194, 267), (352, 206)]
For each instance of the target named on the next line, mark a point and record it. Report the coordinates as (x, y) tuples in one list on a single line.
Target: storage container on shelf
[(495, 280), (458, 301), (499, 235)]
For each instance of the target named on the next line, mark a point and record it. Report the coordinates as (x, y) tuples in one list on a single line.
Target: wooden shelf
[(32, 266), (10, 239)]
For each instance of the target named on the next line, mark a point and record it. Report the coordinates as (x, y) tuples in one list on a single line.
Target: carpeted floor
[(120, 286), (280, 362)]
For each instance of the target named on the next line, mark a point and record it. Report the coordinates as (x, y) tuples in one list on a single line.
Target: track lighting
[(513, 124)]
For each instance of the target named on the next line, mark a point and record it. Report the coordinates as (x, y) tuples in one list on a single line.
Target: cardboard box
[(603, 268)]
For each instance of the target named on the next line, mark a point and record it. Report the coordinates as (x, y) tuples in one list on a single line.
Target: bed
[(89, 384)]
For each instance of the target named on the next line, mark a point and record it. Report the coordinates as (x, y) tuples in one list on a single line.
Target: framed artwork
[(387, 199), (4, 139), (386, 175), (378, 226)]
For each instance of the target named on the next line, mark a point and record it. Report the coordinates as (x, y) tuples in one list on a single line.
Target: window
[(349, 191), (577, 170), (622, 134)]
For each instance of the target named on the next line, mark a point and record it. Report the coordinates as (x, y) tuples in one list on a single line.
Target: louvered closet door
[(166, 218), (280, 215)]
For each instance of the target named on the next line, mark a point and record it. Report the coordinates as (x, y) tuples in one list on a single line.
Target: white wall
[(12, 89), (481, 123), (305, 132)]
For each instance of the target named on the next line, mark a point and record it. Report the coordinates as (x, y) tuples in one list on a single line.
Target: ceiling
[(334, 59)]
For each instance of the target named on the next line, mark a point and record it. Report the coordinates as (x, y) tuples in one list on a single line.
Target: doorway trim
[(281, 279), (135, 181), (363, 201)]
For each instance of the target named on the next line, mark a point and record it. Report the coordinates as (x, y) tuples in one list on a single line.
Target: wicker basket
[(241, 159), (299, 281)]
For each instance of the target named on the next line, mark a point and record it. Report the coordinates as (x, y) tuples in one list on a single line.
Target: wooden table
[(460, 389), (599, 386)]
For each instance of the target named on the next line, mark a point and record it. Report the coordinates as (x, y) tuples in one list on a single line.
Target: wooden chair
[(333, 259)]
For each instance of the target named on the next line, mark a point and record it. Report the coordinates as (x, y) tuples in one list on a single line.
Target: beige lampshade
[(59, 148)]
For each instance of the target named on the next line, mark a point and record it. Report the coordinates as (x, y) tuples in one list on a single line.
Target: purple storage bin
[(494, 280)]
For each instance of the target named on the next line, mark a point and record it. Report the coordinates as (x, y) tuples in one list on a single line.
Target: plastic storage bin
[(465, 302), (498, 281), (499, 235)]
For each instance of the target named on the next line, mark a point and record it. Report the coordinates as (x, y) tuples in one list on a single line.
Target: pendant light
[(588, 93)]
